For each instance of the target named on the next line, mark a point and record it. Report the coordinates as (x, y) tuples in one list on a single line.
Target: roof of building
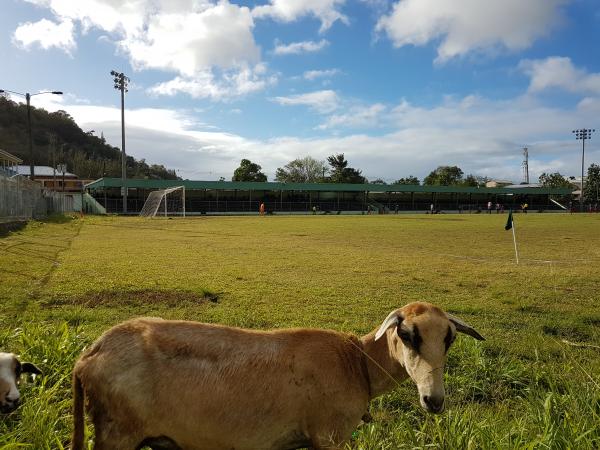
[(500, 181), (524, 185), (43, 171), (322, 187), (5, 156)]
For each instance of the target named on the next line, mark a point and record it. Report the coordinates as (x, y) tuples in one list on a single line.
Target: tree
[(248, 171), (58, 134), (592, 184), (377, 181), (338, 164), (444, 176), (341, 173), (474, 181), (302, 170), (408, 180), (554, 180)]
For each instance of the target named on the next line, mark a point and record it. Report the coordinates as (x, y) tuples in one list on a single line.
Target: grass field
[(63, 282)]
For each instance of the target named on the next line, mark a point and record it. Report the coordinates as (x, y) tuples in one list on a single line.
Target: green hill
[(86, 155)]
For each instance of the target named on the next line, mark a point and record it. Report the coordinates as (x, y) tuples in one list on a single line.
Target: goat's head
[(420, 335), (10, 372)]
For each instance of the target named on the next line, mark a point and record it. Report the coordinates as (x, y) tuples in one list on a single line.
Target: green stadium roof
[(323, 187)]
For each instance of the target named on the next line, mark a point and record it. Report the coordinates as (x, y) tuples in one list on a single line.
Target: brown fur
[(205, 386)]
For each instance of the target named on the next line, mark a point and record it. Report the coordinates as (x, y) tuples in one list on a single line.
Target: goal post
[(158, 202)]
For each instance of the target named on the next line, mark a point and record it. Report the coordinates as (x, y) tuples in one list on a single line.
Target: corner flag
[(510, 225), (509, 222)]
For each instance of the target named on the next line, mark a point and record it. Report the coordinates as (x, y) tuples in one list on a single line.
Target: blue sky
[(400, 87)]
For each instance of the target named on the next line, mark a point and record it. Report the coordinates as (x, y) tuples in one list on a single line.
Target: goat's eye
[(406, 338)]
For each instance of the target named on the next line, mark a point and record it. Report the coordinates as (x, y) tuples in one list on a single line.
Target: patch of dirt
[(136, 298), (591, 320), (7, 227), (573, 333)]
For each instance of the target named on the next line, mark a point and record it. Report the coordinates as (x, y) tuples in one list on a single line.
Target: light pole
[(28, 96), (583, 134), (121, 82)]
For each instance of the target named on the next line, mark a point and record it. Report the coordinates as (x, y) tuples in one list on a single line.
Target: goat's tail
[(78, 414)]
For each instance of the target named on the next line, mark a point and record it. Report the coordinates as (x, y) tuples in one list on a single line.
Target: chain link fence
[(21, 199)]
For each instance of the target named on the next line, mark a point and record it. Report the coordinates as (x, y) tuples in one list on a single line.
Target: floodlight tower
[(583, 134), (28, 96), (120, 83)]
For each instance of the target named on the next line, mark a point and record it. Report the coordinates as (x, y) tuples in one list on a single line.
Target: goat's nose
[(434, 404), (8, 407)]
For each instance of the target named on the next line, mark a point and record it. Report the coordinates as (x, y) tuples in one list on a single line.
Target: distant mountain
[(86, 155)]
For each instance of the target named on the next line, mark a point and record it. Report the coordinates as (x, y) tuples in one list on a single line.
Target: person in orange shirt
[(261, 209)]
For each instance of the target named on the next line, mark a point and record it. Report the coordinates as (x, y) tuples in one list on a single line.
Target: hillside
[(86, 155)]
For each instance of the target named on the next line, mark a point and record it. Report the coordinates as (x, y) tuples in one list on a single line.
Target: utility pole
[(30, 140), (583, 134), (120, 84), (28, 96), (525, 165), (53, 140)]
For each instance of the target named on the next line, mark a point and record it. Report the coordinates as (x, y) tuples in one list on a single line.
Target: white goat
[(189, 385), (10, 372)]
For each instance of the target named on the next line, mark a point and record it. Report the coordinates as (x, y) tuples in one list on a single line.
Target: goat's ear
[(28, 367), (393, 319), (462, 327)]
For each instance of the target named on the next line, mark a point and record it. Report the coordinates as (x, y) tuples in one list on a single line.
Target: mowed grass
[(534, 383)]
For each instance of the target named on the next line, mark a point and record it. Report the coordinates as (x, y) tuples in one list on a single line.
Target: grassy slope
[(64, 283)]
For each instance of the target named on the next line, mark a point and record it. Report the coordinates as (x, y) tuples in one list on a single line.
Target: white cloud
[(46, 34), (482, 136), (356, 117), (190, 42), (559, 72), (296, 48), (321, 101), (225, 86), (191, 38), (314, 74), (327, 11), (464, 26)]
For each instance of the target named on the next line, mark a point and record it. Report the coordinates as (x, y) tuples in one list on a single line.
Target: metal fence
[(21, 198)]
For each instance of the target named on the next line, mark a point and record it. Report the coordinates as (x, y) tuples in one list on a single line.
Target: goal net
[(165, 202)]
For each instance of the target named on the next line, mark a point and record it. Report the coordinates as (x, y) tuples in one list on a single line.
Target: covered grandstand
[(225, 197)]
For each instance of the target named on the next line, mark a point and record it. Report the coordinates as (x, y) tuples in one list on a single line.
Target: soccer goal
[(165, 202)]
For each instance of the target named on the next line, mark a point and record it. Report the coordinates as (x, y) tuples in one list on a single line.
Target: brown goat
[(189, 385)]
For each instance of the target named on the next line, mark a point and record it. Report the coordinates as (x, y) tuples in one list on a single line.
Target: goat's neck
[(384, 363)]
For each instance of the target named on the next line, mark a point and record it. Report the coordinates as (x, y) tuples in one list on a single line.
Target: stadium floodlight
[(160, 201), (582, 134), (28, 96), (120, 84)]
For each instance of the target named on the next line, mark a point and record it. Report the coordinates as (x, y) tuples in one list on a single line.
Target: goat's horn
[(464, 328), (392, 319)]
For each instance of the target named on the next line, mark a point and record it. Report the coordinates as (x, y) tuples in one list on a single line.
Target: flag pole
[(515, 239)]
